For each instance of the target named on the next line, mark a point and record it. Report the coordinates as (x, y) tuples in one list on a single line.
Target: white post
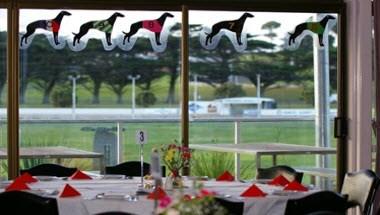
[(237, 155), (322, 105), (119, 146), (133, 78), (133, 96), (195, 88), (73, 94), (258, 94)]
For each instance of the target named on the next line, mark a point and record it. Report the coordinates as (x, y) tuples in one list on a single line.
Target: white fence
[(145, 113)]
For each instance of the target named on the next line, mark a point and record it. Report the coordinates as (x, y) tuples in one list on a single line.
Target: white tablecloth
[(88, 204)]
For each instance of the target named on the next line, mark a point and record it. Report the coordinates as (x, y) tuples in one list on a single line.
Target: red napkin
[(253, 191), (279, 181), (157, 194), (225, 176), (79, 175), (294, 185), (69, 191), (27, 178), (17, 184)]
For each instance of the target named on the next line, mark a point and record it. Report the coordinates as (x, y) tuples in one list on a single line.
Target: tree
[(270, 26), (94, 66), (47, 66)]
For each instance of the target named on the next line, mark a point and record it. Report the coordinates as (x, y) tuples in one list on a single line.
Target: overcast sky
[(208, 18)]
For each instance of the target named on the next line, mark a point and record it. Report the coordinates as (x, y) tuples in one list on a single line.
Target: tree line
[(46, 68)]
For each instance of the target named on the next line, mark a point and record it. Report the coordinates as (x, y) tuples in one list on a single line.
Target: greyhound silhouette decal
[(52, 25), (105, 26), (226, 27), (154, 26), (319, 28)]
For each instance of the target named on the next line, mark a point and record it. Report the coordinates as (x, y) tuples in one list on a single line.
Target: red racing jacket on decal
[(152, 25)]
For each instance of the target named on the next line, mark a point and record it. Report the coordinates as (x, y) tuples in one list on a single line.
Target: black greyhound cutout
[(155, 26), (232, 25), (102, 25), (315, 27), (49, 25)]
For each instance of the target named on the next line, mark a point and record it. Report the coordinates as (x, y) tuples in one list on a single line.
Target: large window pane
[(89, 93), (253, 75)]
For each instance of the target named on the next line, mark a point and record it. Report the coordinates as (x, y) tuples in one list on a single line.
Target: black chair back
[(48, 169), (232, 207), (317, 202), (272, 172), (327, 213), (114, 213), (360, 187), (19, 202), (131, 168)]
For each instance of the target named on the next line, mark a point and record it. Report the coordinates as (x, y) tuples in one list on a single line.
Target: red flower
[(186, 197)]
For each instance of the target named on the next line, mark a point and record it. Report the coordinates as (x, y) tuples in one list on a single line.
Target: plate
[(46, 178), (4, 184), (113, 177), (285, 192), (44, 192), (112, 196)]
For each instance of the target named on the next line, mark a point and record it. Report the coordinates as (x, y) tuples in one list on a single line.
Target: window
[(92, 90), (264, 75)]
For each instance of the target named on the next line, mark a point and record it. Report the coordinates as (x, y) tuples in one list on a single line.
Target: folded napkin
[(158, 193), (279, 181), (79, 175), (253, 191), (69, 191), (17, 184), (27, 178), (225, 176), (294, 185)]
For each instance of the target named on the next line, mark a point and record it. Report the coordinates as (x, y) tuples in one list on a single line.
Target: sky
[(207, 18)]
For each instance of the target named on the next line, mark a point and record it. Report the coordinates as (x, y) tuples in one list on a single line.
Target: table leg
[(258, 161), (101, 165), (59, 161), (274, 160)]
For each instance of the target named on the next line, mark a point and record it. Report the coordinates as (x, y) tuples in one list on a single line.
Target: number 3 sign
[(141, 137)]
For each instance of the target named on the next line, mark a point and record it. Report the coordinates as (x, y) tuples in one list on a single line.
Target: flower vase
[(173, 181)]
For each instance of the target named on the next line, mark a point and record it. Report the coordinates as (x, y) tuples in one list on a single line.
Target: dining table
[(101, 195)]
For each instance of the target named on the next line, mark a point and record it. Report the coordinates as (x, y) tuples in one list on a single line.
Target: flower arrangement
[(203, 203), (175, 158)]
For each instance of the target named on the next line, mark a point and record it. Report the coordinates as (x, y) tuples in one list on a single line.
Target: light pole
[(195, 95), (258, 94), (133, 78), (74, 78)]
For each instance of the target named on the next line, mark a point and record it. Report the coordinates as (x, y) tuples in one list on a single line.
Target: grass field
[(72, 135)]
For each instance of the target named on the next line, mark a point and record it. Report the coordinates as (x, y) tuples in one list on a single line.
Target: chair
[(131, 168), (360, 187), (50, 170), (114, 213), (19, 202), (232, 207), (327, 213), (272, 172), (319, 202)]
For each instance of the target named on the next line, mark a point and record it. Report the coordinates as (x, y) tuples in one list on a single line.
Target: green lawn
[(72, 135)]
